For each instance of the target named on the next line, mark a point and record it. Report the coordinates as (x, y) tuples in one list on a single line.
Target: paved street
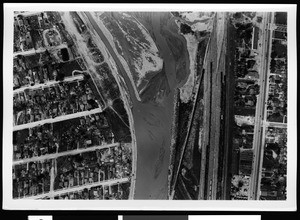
[(274, 124), (39, 50), (77, 188), (71, 152), (259, 129), (49, 83), (57, 119)]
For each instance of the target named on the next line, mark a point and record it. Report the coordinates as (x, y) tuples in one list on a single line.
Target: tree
[(272, 65), (237, 15), (186, 29), (250, 63), (259, 19)]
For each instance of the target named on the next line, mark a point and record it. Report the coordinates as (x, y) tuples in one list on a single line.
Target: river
[(152, 123)]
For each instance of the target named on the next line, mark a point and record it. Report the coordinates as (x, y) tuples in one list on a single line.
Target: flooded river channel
[(152, 122)]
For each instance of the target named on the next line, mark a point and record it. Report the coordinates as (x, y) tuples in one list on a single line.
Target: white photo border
[(183, 205)]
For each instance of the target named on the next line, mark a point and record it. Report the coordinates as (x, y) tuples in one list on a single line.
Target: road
[(274, 124), (259, 129), (39, 50), (77, 188), (66, 153), (50, 83), (56, 119)]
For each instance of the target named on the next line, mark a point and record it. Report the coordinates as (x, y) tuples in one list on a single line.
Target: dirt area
[(156, 88), (185, 153), (135, 44)]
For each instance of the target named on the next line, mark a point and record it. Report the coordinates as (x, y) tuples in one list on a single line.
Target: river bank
[(152, 122)]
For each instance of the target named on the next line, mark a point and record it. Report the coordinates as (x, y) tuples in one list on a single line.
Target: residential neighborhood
[(65, 142), (274, 117)]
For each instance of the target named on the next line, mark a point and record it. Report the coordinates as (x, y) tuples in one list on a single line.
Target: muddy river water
[(152, 123)]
